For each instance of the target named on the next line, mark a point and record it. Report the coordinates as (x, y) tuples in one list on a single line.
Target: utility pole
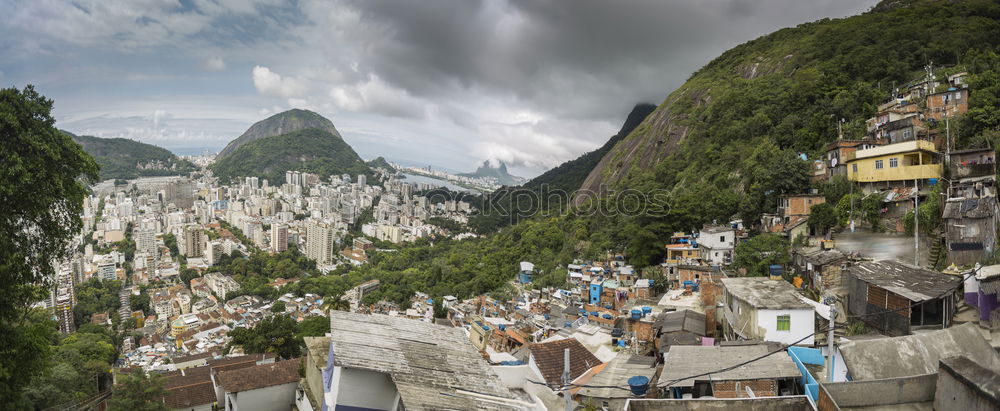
[(830, 338), (565, 379), (916, 224)]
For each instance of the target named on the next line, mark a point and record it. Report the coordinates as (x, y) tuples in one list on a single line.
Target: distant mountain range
[(121, 158), (499, 172), (298, 140)]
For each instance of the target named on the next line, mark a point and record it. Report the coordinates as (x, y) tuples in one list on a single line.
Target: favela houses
[(675, 205)]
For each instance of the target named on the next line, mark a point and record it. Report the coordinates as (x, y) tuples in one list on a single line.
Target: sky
[(532, 83)]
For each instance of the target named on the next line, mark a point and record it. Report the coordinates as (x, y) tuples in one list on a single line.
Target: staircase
[(938, 252)]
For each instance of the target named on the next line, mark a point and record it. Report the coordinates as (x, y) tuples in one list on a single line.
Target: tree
[(189, 274), (278, 307), (822, 217), (316, 326), (42, 185), (275, 334), (757, 253), (439, 310), (137, 391)]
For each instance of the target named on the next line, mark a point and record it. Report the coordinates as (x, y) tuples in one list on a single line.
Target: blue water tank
[(607, 316), (647, 311), (503, 327), (546, 316), (595, 313), (568, 324), (638, 384), (586, 314), (636, 314)]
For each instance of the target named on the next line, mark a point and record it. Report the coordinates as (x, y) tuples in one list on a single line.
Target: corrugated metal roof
[(431, 365), (687, 360)]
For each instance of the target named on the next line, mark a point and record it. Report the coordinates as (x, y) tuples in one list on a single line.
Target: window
[(784, 322), (722, 238), (907, 134), (854, 168), (894, 162), (878, 164)]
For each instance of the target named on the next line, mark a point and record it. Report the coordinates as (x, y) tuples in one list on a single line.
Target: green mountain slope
[(381, 162), (121, 158), (281, 123), (563, 180), (727, 142), (569, 176), (310, 150)]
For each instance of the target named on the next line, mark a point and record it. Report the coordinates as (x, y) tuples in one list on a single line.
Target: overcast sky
[(448, 83)]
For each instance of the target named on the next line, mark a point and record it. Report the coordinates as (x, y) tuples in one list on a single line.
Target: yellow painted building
[(904, 161)]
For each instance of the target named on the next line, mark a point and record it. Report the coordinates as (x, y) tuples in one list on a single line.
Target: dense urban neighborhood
[(809, 222)]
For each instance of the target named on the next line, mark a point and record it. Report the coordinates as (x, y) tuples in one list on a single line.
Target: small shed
[(895, 297)]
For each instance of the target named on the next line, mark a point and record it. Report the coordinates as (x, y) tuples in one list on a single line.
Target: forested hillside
[(122, 158), (310, 150), (728, 141)]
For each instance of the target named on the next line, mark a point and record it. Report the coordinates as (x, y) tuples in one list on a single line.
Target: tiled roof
[(198, 393), (549, 359), (260, 376)]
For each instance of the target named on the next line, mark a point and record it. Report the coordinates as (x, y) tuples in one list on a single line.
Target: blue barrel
[(650, 283), (503, 327), (638, 384), (647, 311), (595, 313), (546, 315), (636, 314), (607, 316)]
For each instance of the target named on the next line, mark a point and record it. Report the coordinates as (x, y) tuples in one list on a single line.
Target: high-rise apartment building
[(279, 237)]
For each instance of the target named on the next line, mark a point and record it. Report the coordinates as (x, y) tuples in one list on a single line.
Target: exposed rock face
[(281, 123)]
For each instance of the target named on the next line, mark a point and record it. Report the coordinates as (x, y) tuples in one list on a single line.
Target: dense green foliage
[(275, 334), (79, 365), (119, 158), (310, 150), (759, 252), (281, 123), (137, 391), (96, 296), (41, 195), (381, 162), (822, 217), (315, 326), (253, 273)]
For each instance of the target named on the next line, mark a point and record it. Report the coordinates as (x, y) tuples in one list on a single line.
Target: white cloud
[(213, 64), (273, 84), (377, 96)]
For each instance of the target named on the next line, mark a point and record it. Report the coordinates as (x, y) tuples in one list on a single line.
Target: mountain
[(784, 90), (499, 172), (381, 162), (727, 142), (569, 176), (305, 141), (281, 123), (565, 178), (121, 158)]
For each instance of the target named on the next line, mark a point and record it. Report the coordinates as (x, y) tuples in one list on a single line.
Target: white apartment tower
[(320, 241), (279, 237)]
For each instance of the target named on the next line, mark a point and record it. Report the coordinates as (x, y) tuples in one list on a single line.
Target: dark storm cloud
[(576, 59)]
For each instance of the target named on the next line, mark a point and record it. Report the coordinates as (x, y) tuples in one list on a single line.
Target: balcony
[(899, 173)]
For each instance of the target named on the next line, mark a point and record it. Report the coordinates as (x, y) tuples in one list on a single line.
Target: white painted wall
[(803, 323), (276, 398), (363, 388)]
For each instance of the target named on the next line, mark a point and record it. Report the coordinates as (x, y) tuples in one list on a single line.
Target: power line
[(761, 357)]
